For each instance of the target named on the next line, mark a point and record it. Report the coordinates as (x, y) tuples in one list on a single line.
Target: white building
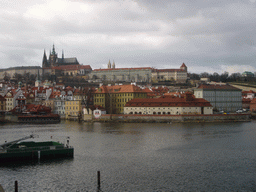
[(186, 104), (222, 97)]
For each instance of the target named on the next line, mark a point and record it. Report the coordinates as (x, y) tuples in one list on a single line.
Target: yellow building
[(113, 98), (73, 109), (11, 97)]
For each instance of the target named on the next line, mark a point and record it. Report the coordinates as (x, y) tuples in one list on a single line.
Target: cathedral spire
[(38, 76), (109, 64), (113, 65), (45, 63), (44, 58), (53, 50), (62, 54)]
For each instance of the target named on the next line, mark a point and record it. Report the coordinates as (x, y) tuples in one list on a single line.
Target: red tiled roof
[(253, 101), (168, 70), (121, 89), (169, 101), (217, 86), (245, 100), (111, 69), (246, 92), (183, 65), (2, 98), (72, 67)]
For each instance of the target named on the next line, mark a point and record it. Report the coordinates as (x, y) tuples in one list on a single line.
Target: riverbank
[(246, 117), (173, 118)]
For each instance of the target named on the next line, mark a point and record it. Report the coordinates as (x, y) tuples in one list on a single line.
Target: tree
[(6, 77), (224, 77), (215, 77), (194, 76), (204, 75), (18, 77)]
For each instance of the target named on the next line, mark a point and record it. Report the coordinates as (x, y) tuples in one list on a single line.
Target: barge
[(39, 119), (30, 150)]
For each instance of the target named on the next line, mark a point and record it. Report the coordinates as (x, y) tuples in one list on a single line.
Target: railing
[(26, 149)]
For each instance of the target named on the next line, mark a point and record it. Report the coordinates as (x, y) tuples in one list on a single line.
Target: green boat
[(30, 150)]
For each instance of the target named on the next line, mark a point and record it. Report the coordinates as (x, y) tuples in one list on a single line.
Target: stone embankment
[(175, 118), (160, 118)]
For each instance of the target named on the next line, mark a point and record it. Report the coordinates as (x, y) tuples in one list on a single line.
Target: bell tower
[(53, 57)]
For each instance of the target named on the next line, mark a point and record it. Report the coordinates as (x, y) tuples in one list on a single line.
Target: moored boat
[(39, 119), (30, 150)]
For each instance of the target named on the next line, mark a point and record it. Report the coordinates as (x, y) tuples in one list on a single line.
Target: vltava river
[(139, 157)]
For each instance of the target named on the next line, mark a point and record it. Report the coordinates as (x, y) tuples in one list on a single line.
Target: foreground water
[(139, 157)]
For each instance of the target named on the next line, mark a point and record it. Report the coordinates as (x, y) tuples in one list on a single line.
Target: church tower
[(113, 65), (45, 62), (184, 67), (38, 82), (53, 57), (109, 65)]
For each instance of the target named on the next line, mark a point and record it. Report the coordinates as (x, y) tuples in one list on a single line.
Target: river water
[(139, 157)]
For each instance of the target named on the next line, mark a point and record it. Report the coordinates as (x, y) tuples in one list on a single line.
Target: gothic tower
[(113, 65), (45, 62), (109, 65), (184, 67), (53, 57)]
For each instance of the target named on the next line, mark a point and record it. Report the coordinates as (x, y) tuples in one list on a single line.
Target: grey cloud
[(199, 33)]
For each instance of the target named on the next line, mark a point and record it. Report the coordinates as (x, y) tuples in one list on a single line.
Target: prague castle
[(55, 66), (54, 61), (140, 74)]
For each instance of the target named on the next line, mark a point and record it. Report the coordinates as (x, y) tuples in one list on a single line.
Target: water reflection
[(140, 157)]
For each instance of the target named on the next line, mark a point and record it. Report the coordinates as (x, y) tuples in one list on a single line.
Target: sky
[(207, 35)]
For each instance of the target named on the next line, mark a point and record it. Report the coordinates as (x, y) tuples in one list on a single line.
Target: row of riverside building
[(127, 99), (119, 98)]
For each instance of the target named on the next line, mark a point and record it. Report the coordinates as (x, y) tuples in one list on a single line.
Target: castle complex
[(140, 74), (54, 61), (54, 67)]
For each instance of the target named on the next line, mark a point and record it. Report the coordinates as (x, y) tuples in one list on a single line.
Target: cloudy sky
[(207, 35)]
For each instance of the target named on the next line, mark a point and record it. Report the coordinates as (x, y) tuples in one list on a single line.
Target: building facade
[(169, 105), (142, 74), (35, 70), (113, 98), (223, 97), (55, 67), (175, 75), (73, 108)]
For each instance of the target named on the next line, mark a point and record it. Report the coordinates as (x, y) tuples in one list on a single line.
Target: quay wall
[(157, 118), (176, 118)]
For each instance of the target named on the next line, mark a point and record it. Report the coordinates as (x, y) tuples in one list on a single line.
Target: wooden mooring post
[(98, 176), (16, 186)]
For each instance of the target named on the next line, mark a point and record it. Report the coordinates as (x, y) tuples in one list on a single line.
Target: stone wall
[(176, 118)]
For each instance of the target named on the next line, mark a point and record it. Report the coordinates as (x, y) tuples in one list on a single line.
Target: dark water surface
[(139, 157)]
